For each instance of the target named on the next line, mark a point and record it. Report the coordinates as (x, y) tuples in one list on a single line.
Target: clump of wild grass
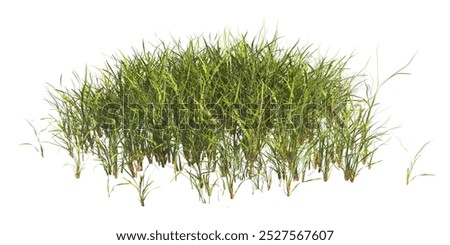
[(39, 144), (221, 111), (409, 171)]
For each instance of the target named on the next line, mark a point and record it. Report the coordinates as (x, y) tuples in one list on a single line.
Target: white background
[(42, 203)]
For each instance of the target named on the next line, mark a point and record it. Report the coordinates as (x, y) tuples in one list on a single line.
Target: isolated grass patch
[(409, 171), (220, 111)]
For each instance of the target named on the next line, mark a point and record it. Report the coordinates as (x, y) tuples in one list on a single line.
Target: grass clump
[(220, 111), (409, 171)]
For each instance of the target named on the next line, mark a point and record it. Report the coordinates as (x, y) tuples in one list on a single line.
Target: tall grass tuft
[(221, 111)]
